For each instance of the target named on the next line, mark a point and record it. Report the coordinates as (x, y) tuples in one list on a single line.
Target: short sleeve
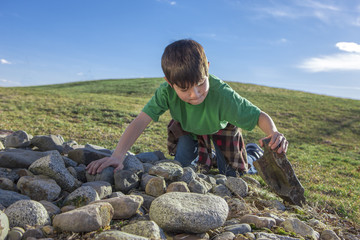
[(158, 104)]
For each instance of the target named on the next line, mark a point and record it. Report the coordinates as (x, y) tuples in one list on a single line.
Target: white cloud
[(4, 61), (337, 62), (80, 74), (8, 83), (172, 3)]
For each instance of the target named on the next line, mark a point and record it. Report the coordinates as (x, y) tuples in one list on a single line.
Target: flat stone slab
[(276, 170)]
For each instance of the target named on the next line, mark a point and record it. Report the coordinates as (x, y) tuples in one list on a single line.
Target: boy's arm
[(132, 132), (267, 125)]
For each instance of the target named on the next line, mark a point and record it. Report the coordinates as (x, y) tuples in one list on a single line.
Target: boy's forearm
[(266, 124), (132, 132)]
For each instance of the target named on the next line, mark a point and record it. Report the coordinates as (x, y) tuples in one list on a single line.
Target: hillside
[(324, 132)]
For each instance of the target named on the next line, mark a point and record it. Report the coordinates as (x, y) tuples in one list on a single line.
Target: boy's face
[(195, 94)]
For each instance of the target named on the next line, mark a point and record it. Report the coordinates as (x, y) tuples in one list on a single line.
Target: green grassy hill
[(324, 132)]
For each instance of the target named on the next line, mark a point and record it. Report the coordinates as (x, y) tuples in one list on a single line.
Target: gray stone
[(39, 187), (48, 142), (225, 236), (147, 199), (237, 207), (81, 173), (19, 158), (271, 236), (238, 186), (27, 212), (53, 166), (188, 175), (118, 235), (125, 180), (148, 157), (238, 228), (133, 164), (103, 188), (86, 155), (220, 179), (328, 235), (4, 225), (15, 233), (33, 233), (98, 148), (17, 139), (124, 206), (277, 172), (259, 222), (81, 196), (116, 194), (9, 173), (9, 197), (106, 175), (189, 212), (147, 167), (51, 208), (168, 170), (299, 227), (199, 186), (221, 190), (278, 220), (147, 229), (85, 219), (145, 178), (7, 184), (177, 187), (69, 162)]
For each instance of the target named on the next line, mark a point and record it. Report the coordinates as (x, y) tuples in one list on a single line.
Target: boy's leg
[(186, 150), (223, 167)]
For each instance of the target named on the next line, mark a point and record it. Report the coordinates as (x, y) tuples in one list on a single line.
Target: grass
[(324, 132)]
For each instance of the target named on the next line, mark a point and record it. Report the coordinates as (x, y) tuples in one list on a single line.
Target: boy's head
[(184, 63)]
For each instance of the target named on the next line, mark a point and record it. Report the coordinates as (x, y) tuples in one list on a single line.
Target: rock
[(106, 175), (145, 178), (81, 196), (259, 222), (177, 187), (148, 229), (1, 146), (155, 187), (85, 219), (126, 180), (328, 235), (17, 139), (271, 236), (199, 186), (148, 157), (39, 187), (147, 199), (124, 206), (189, 212), (86, 155), (168, 170), (116, 194), (221, 190), (188, 175), (225, 236), (7, 184), (98, 148), (81, 174), (238, 228), (147, 167), (103, 188), (188, 236), (251, 181), (4, 225), (51, 208), (220, 179), (47, 230), (277, 172), (237, 207), (15, 233), (27, 212), (9, 197), (133, 164), (118, 235), (48, 142), (277, 219), (19, 158), (298, 227), (53, 166), (9, 173), (238, 186), (33, 233), (69, 162)]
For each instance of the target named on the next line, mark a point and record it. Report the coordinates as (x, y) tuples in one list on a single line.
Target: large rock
[(299, 227), (27, 212), (9, 197), (126, 180), (4, 225), (103, 188), (168, 170), (277, 172), (17, 139), (39, 187), (118, 235), (53, 166), (147, 229), (48, 142), (81, 196), (106, 175), (85, 219), (188, 212), (9, 173), (19, 158), (86, 155), (238, 186)]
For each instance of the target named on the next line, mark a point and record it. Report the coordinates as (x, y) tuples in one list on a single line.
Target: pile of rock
[(45, 193)]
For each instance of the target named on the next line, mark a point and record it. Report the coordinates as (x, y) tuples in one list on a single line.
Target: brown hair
[(184, 63)]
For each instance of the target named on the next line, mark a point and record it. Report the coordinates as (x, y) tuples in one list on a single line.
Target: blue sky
[(307, 45)]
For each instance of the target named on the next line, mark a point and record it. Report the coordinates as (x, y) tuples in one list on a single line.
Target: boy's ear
[(168, 81)]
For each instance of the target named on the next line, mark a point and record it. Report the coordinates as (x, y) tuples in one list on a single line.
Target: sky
[(306, 45)]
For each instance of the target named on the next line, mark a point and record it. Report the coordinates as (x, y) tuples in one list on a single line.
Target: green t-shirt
[(221, 106)]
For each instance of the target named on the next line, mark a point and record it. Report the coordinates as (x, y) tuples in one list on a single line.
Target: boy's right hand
[(97, 166)]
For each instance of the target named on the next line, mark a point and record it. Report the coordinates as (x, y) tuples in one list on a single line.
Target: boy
[(203, 108)]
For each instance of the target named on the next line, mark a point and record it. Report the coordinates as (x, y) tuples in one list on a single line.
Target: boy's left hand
[(277, 140)]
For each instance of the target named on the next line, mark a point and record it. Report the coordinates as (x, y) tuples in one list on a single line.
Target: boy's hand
[(277, 140), (97, 166)]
